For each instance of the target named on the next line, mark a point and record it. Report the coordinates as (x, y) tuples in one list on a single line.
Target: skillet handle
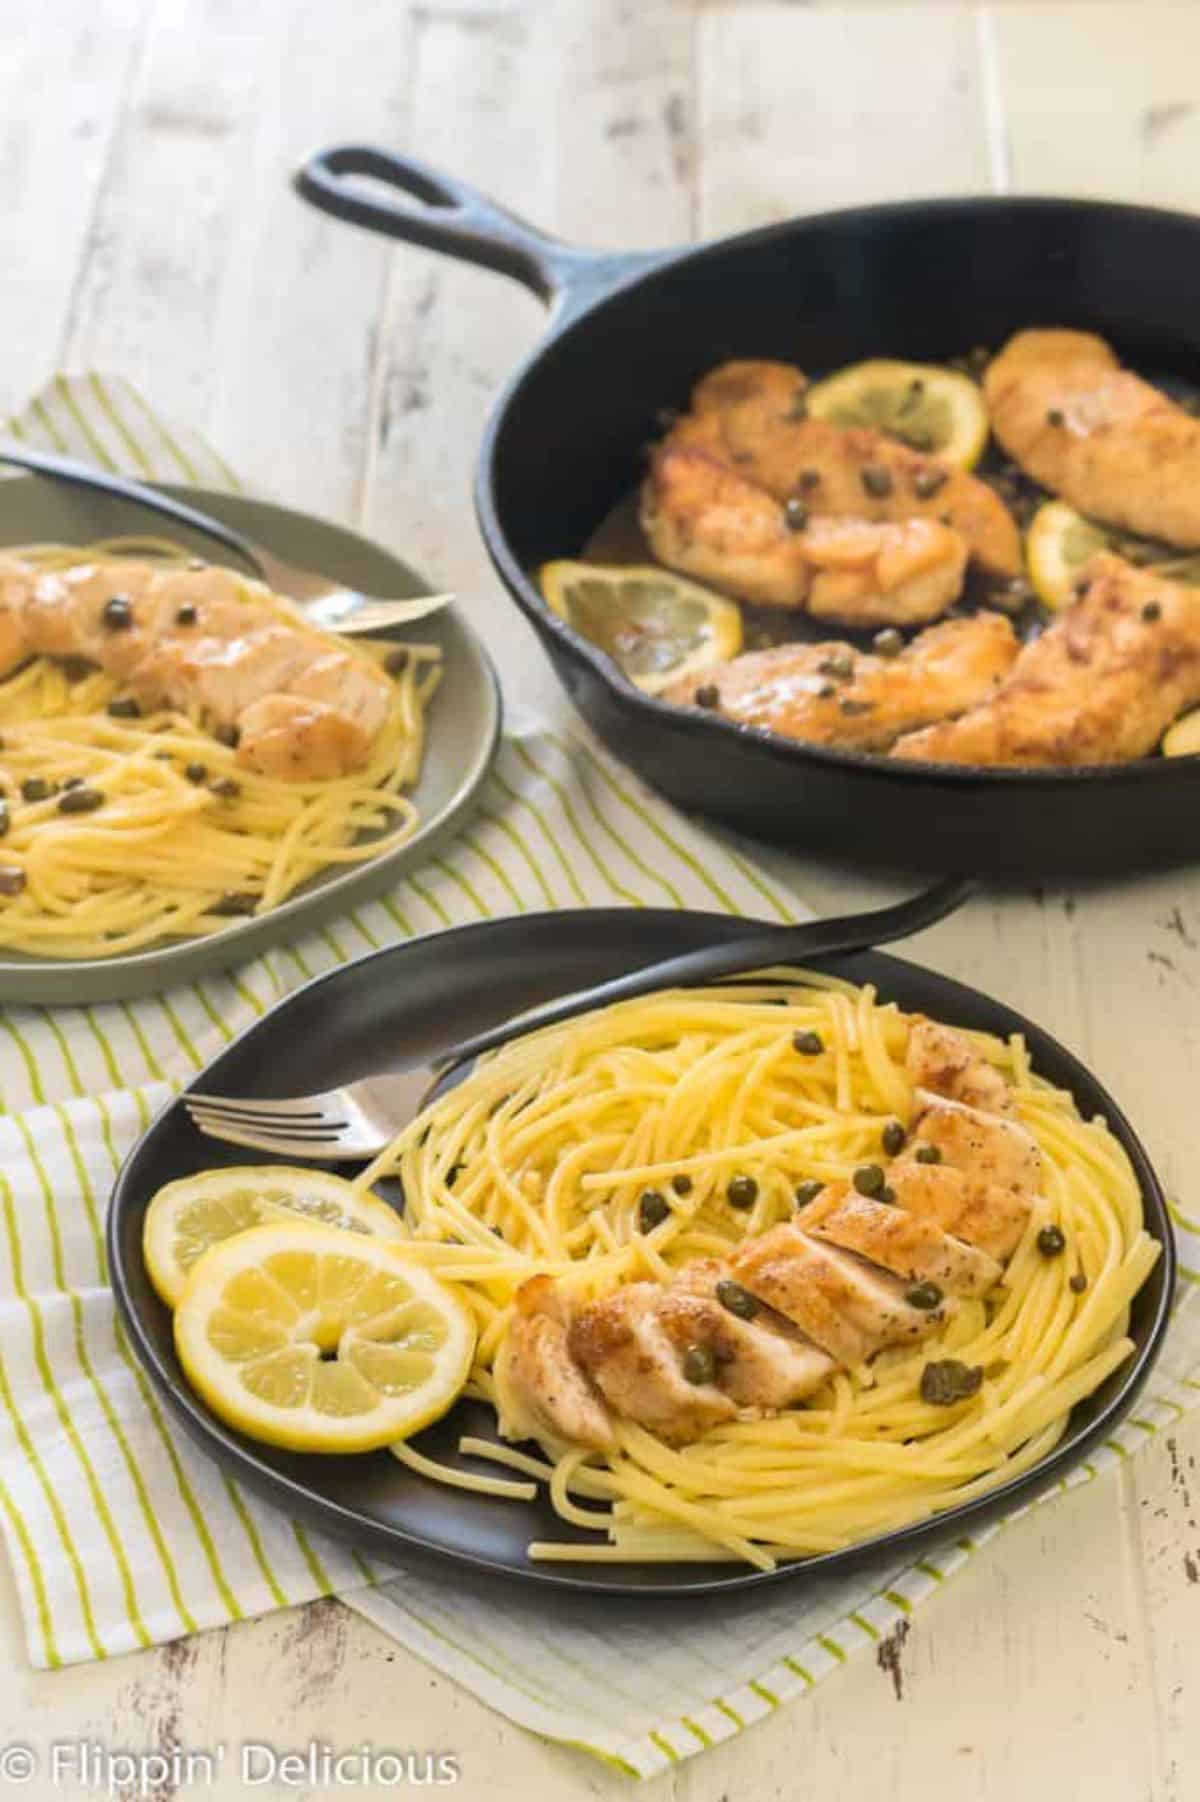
[(360, 182)]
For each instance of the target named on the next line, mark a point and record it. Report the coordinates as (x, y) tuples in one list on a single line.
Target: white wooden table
[(145, 146)]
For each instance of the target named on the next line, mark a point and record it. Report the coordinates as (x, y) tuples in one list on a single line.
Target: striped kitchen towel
[(120, 1533)]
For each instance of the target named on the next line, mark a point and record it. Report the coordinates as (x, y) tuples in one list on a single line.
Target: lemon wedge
[(658, 627), (1059, 544), (932, 409), (188, 1217), (1183, 738), (319, 1340)]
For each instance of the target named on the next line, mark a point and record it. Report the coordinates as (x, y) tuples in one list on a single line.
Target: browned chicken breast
[(832, 694), (907, 1244), (1108, 442), (750, 416), (941, 1060), (1101, 684), (763, 1361), (706, 520), (625, 1348), (305, 708), (551, 1392), (846, 1306)]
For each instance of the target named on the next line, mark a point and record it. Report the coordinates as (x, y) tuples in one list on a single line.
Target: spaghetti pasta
[(536, 1162), (186, 838)]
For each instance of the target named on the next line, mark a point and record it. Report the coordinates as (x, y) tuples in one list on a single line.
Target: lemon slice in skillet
[(1060, 542), (319, 1340), (1183, 738), (188, 1217), (658, 627), (926, 406)]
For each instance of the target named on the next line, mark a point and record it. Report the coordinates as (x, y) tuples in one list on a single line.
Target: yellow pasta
[(537, 1160), (168, 856)]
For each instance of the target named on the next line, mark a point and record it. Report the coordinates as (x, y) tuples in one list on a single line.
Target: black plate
[(413, 999)]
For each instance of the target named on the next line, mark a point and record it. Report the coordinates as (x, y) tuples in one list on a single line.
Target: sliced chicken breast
[(847, 1307), (750, 416), (1100, 685), (706, 520), (623, 1346), (551, 1391), (834, 694), (941, 1060), (762, 1362), (1098, 435), (905, 1243)]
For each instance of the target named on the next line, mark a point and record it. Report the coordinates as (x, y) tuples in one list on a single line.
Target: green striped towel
[(120, 1534)]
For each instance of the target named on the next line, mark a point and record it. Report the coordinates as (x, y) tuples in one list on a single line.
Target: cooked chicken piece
[(749, 415), (552, 1393), (763, 1362), (1108, 442), (794, 691), (1101, 684), (197, 641), (908, 1245), (623, 1346), (941, 1060), (984, 1215), (708, 521), (849, 1309)]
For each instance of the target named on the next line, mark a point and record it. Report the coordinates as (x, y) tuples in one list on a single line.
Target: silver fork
[(359, 1119), (325, 603)]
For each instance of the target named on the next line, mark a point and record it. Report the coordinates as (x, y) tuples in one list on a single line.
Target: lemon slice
[(1059, 544), (657, 626), (187, 1217), (320, 1340), (1183, 738), (930, 408)]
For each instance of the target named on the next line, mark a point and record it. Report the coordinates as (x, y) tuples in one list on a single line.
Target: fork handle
[(102, 481), (757, 950)]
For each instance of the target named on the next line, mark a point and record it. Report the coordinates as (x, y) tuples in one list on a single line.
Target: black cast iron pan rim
[(392, 1542), (697, 722)]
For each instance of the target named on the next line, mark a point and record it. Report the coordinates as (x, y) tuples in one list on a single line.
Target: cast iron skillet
[(415, 999), (629, 334)]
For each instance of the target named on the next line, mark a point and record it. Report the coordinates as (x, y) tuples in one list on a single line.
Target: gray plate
[(464, 725)]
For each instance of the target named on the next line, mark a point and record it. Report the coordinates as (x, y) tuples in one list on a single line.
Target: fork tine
[(297, 1108), (314, 1150), (316, 1134)]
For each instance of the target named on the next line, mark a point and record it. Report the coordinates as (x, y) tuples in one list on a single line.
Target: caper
[(928, 482), (653, 1209), (808, 1044), (808, 1191), (232, 905), (1151, 611), (707, 695), (893, 1138), (809, 479), (682, 1184), (795, 514), (124, 707), (925, 1296), (737, 1300), (117, 613), (1056, 416), (81, 800), (699, 1365), (228, 735), (929, 1154), (888, 643), (12, 879), (948, 1380), (876, 480), (195, 772), (742, 1192), (1078, 1283), (868, 1179), (186, 615), (36, 788), (1051, 1241)]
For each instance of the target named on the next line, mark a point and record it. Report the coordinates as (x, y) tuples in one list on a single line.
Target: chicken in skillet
[(1108, 442)]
